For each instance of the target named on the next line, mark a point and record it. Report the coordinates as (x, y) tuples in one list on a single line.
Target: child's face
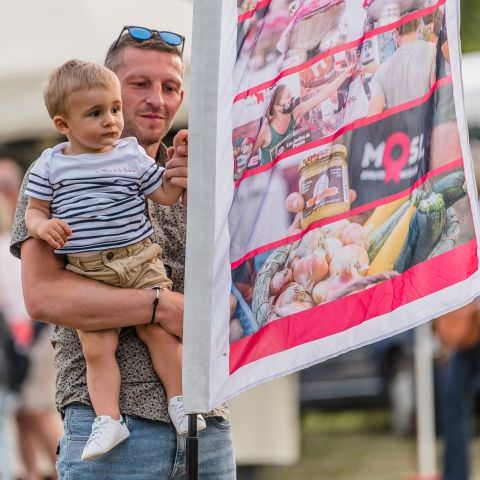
[(94, 120)]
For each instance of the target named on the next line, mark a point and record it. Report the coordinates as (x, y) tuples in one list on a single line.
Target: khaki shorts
[(133, 266)]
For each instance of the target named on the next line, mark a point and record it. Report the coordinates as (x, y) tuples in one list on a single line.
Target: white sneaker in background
[(176, 410), (106, 434)]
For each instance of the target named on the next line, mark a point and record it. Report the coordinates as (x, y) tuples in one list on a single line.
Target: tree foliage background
[(470, 28)]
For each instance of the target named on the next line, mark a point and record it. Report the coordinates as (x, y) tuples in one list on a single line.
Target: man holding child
[(149, 67)]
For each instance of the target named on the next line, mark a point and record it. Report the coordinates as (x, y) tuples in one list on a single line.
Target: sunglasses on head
[(142, 34)]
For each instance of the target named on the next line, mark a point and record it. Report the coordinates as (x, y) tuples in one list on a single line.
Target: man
[(408, 74), (150, 72), (459, 333)]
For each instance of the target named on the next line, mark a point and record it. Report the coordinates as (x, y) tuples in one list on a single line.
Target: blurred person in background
[(6, 392), (9, 380), (38, 427), (459, 375), (6, 409), (459, 333)]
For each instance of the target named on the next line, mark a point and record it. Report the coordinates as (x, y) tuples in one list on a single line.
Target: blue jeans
[(457, 380), (153, 451)]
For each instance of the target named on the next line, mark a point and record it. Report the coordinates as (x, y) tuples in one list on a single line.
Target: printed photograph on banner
[(403, 65), (300, 109), (286, 33), (359, 168), (351, 255)]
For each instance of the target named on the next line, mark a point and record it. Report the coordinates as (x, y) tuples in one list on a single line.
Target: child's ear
[(61, 124)]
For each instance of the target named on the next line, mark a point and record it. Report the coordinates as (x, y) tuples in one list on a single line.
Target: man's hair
[(435, 18), (409, 27), (114, 56), (71, 77)]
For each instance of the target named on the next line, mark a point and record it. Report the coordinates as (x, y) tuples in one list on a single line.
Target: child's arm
[(166, 194), (53, 230), (174, 181)]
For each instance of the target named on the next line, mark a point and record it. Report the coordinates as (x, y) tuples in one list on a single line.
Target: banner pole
[(192, 448), (209, 152)]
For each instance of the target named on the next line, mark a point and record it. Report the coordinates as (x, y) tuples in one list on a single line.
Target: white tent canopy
[(38, 36)]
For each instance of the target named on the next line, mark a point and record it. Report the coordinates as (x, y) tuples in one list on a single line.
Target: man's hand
[(54, 231), (169, 312)]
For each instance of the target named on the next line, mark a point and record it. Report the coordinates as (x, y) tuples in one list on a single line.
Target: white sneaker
[(176, 410), (106, 434)]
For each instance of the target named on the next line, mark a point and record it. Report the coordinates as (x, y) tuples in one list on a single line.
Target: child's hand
[(176, 168), (55, 232)]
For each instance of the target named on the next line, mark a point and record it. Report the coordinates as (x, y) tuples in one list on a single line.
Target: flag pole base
[(192, 448)]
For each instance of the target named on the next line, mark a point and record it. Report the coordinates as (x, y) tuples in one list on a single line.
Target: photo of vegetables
[(353, 254)]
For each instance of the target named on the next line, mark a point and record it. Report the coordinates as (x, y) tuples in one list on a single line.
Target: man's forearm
[(55, 295)]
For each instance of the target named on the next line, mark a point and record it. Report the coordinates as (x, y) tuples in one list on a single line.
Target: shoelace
[(97, 427), (179, 409)]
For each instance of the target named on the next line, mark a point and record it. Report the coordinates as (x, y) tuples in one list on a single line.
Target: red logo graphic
[(393, 166)]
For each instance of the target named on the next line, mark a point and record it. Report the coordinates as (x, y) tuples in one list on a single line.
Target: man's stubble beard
[(145, 139)]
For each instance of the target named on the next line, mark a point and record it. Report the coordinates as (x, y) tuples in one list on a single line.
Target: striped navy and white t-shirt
[(101, 196)]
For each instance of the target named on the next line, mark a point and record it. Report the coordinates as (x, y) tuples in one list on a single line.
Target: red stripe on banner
[(354, 211), (360, 123), (332, 51), (419, 281), (298, 68), (245, 16)]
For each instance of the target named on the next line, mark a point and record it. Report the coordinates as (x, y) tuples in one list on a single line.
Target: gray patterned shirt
[(141, 392)]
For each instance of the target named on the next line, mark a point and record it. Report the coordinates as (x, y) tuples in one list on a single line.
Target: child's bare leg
[(103, 373), (166, 354)]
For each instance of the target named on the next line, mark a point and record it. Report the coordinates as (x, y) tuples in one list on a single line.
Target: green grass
[(354, 445), (348, 446)]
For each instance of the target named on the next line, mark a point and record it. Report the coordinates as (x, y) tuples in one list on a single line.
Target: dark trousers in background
[(457, 381)]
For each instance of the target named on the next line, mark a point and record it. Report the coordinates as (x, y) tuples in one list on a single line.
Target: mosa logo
[(396, 158)]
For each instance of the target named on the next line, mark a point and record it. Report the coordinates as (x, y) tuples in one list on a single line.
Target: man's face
[(151, 91)]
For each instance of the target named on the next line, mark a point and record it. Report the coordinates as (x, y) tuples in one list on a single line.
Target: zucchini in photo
[(425, 229), (386, 257), (378, 237), (451, 187)]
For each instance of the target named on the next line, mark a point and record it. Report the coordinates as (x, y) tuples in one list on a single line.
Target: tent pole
[(425, 402)]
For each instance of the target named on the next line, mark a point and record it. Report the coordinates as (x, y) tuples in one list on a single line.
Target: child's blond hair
[(71, 77)]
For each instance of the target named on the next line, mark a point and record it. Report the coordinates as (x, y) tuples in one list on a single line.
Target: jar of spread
[(324, 185)]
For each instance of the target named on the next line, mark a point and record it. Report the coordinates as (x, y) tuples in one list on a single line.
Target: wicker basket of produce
[(344, 257)]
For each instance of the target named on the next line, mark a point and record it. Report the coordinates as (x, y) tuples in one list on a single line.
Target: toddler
[(87, 200)]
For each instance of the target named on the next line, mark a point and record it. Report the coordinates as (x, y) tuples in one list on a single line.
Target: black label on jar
[(329, 186)]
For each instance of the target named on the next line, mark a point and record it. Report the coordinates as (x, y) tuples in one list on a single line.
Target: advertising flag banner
[(344, 198)]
